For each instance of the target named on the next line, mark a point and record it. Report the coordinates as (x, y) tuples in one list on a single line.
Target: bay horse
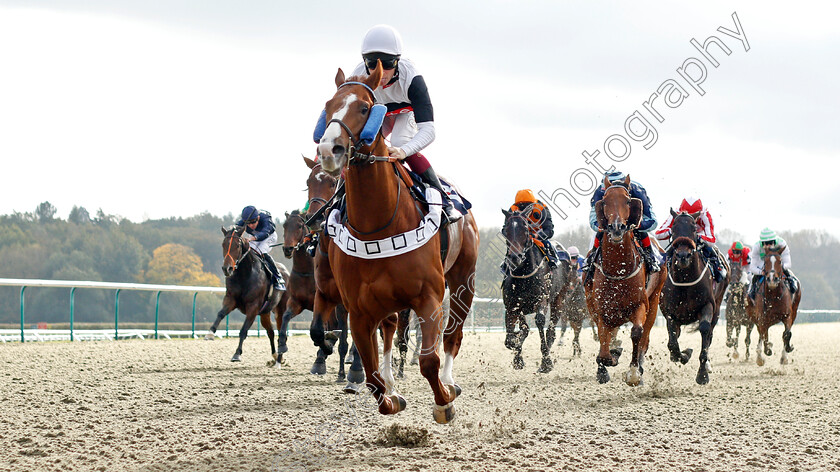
[(248, 289), (617, 292), (529, 286), (573, 312), (301, 289), (773, 304), (688, 295), (736, 310), (381, 210)]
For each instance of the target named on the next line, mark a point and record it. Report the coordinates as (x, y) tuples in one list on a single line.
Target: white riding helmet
[(384, 39), (573, 251)]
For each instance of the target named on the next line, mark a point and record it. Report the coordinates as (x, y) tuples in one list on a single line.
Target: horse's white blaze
[(446, 373), (333, 130), (387, 372)]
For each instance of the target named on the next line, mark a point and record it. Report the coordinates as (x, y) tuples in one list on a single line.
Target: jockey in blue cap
[(647, 224), (263, 235)]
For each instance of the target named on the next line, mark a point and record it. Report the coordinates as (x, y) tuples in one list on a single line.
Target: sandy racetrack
[(181, 405)]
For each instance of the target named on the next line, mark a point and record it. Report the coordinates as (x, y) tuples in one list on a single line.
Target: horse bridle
[(230, 246), (527, 247), (355, 157)]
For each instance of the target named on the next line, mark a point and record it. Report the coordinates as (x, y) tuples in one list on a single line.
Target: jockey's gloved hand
[(396, 152)]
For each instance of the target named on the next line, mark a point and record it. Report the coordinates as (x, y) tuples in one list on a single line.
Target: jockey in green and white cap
[(770, 241)]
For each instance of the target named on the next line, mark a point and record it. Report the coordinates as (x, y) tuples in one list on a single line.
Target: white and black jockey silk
[(408, 93), (388, 247), (410, 118)]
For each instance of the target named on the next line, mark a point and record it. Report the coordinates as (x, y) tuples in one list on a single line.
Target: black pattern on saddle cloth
[(419, 191)]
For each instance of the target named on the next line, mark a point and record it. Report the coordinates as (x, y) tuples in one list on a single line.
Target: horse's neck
[(618, 256), (533, 259), (373, 193), (301, 261)]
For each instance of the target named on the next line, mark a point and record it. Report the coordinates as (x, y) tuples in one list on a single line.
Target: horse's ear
[(240, 230), (505, 212), (287, 215), (782, 249), (339, 77), (627, 181), (695, 215), (599, 214), (375, 76), (635, 218), (606, 182), (309, 162), (673, 213), (224, 230)]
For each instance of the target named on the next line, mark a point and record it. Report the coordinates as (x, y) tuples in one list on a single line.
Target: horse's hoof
[(341, 378), (356, 376), (759, 361), (729, 343), (789, 349), (415, 360), (444, 414), (702, 377), (353, 387), (282, 349), (784, 359), (398, 401), (271, 363), (546, 366), (768, 352), (209, 336), (735, 355), (400, 375), (633, 377), (278, 365), (686, 356), (236, 358), (603, 376), (318, 368), (518, 363)]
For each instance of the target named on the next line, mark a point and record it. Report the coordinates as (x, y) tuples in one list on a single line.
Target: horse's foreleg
[(265, 320), (604, 357), (762, 339), (227, 306), (363, 329), (786, 335), (673, 339), (705, 329), (576, 327), (341, 314), (747, 340), (292, 309), (633, 377), (321, 311), (546, 364), (729, 327), (402, 340), (389, 327), (243, 333), (430, 316)]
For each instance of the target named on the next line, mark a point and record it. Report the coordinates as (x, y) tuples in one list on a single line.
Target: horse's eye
[(365, 109)]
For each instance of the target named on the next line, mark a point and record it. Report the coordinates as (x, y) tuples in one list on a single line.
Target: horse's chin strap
[(636, 261), (536, 269)]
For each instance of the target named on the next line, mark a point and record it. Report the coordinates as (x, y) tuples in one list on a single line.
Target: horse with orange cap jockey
[(539, 224), (705, 233)]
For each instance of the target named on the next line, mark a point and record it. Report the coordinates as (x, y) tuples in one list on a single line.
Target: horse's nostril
[(338, 150)]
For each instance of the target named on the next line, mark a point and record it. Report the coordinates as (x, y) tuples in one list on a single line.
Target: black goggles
[(769, 243), (388, 63), (250, 222), (736, 251)]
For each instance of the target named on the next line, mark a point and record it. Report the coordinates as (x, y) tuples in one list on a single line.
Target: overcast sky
[(171, 108)]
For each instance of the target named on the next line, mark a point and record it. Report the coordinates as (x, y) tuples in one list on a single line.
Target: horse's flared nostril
[(338, 150)]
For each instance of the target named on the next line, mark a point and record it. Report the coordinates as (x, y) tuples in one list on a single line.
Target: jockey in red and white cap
[(705, 226), (705, 233)]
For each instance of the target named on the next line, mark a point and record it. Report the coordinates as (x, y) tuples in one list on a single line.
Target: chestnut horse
[(617, 293), (688, 295), (247, 289), (773, 304), (321, 188), (301, 290), (380, 207), (736, 310)]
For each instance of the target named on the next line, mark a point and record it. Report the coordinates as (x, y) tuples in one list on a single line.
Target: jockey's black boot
[(589, 265), (449, 212), (275, 273), (754, 286), (792, 281), (551, 254), (718, 272), (651, 263)]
